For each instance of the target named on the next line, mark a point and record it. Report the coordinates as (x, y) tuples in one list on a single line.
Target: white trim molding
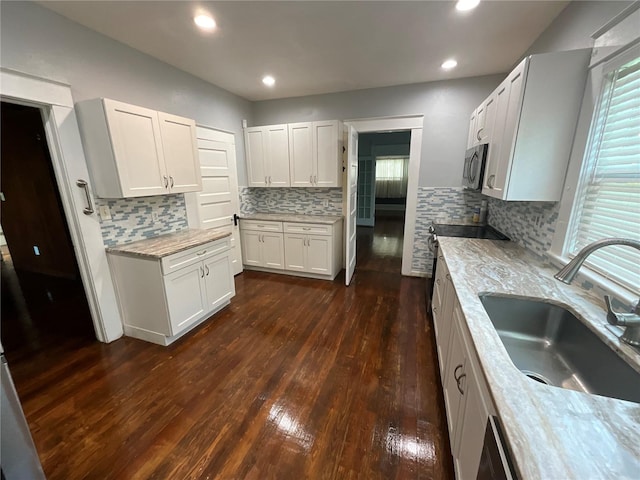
[(55, 101)]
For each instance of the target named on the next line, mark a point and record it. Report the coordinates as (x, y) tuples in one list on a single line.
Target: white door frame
[(389, 124), (55, 101)]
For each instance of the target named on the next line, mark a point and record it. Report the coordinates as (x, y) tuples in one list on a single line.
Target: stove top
[(468, 231)]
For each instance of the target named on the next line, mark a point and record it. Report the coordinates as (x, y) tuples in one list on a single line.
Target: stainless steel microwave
[(474, 162)]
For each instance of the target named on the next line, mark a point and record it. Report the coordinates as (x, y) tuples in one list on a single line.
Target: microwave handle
[(470, 173), (465, 172)]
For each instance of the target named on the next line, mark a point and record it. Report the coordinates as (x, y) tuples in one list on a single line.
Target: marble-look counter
[(552, 433), (165, 245), (293, 218)]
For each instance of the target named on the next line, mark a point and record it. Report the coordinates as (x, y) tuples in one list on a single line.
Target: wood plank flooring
[(297, 378)]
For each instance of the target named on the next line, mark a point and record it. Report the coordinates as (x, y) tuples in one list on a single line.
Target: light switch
[(105, 212)]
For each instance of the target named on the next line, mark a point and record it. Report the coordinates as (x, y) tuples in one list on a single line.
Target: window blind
[(608, 201), (392, 176)]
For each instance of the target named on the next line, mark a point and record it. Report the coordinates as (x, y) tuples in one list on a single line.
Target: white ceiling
[(320, 47)]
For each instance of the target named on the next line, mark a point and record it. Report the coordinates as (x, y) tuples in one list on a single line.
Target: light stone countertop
[(165, 245), (552, 433), (294, 218)]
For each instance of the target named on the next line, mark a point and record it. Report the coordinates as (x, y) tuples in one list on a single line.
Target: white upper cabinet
[(327, 154), (135, 152), (267, 150), (180, 149), (301, 154), (277, 155), (297, 154), (529, 122)]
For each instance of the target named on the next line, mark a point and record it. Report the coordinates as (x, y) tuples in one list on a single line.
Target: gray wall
[(446, 106), (38, 41), (572, 29)]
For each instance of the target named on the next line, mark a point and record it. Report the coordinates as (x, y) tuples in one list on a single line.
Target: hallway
[(297, 378)]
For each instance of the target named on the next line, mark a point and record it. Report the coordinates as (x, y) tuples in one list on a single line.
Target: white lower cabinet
[(261, 247), (161, 299), (305, 249), (467, 402)]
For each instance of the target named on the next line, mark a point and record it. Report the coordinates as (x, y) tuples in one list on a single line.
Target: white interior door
[(215, 206), (352, 202)]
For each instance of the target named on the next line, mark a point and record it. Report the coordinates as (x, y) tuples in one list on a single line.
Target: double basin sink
[(550, 345)]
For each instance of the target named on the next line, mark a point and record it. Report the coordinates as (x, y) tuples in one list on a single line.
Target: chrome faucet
[(629, 320)]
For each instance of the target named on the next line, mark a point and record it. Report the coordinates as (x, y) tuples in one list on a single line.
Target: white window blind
[(392, 173), (608, 201)]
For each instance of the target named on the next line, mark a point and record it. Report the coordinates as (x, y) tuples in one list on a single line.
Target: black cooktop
[(468, 231)]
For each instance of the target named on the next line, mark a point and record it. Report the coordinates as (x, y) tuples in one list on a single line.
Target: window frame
[(576, 177)]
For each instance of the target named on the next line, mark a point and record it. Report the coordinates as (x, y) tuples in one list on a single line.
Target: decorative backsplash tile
[(443, 205), (132, 218), (304, 201), (530, 224)]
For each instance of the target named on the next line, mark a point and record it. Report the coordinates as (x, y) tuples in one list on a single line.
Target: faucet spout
[(631, 321), (570, 270)]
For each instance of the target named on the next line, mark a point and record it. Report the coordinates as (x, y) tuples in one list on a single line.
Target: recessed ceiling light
[(205, 22), (464, 5), (268, 80), (449, 64)]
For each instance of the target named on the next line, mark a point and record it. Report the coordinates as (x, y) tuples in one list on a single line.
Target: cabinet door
[(186, 296), (473, 422), (443, 320), (479, 126), (485, 124), (508, 104), (218, 279), (277, 155), (301, 169), (326, 155), (454, 381), (180, 153), (254, 139), (272, 250), (319, 254), (137, 147), (251, 247), (471, 136), (295, 246)]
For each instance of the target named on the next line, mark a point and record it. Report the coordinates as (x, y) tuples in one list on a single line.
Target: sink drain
[(537, 377)]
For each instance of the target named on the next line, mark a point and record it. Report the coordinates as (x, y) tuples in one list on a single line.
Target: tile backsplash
[(132, 218), (444, 205), (304, 201), (530, 224)]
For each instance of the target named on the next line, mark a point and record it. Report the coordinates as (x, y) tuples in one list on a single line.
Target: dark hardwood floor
[(297, 378)]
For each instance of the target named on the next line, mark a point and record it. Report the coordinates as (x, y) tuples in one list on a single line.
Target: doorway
[(354, 128), (43, 298), (383, 172)]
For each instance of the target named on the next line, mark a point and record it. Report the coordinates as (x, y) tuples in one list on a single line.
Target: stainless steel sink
[(550, 345)]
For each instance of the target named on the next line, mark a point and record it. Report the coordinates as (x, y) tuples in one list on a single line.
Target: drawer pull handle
[(201, 253), (438, 281), (88, 210), (207, 270), (448, 277), (201, 272), (306, 228), (260, 226), (455, 372)]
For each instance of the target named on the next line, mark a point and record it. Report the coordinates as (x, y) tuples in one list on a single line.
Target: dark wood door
[(32, 218)]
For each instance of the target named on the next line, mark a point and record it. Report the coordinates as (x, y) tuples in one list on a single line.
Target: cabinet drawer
[(185, 258), (261, 226), (308, 228)]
